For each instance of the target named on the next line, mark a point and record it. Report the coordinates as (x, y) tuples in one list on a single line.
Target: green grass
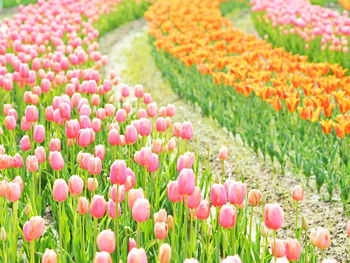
[(12, 3)]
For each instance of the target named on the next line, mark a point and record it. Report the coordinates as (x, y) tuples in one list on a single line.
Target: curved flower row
[(249, 64), (320, 33), (256, 90)]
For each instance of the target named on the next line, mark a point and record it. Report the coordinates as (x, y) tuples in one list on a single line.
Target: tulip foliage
[(281, 105), (93, 171)]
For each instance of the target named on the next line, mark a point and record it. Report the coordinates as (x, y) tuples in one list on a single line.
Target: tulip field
[(93, 169)]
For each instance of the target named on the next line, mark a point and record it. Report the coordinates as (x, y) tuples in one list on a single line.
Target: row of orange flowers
[(197, 33)]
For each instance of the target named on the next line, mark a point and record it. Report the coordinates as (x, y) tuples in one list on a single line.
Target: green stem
[(250, 227), (223, 171), (322, 250), (185, 234), (296, 218), (233, 236), (82, 237), (60, 229), (306, 249), (14, 246), (33, 193), (95, 235), (4, 252), (32, 249), (116, 224), (224, 243), (173, 231), (191, 238), (274, 244), (264, 249), (138, 234)]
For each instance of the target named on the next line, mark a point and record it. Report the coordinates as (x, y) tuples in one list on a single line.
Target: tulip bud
[(304, 225), (27, 209), (170, 222), (210, 230), (263, 229), (3, 234)]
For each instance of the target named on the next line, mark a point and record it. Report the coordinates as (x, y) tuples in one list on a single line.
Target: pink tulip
[(39, 133), (227, 216), (100, 151), (25, 143), (218, 195), (147, 98), (83, 205), (98, 206), (186, 131), (49, 256), (33, 229), (194, 199), (3, 186), (160, 125), (223, 153), (170, 110), (186, 182), (13, 191), (94, 165), (177, 127), (17, 161), (113, 137), (40, 154), (137, 255), (75, 185), (145, 157), (322, 238), (173, 192), (131, 244), (165, 253), (56, 161), (106, 241), (292, 249), (92, 184), (32, 164), (138, 91), (130, 135), (298, 193), (152, 109), (84, 137), (10, 123), (160, 230), (237, 193), (280, 248), (55, 145), (145, 127), (118, 172), (31, 113), (121, 115), (203, 210), (232, 259), (254, 197), (111, 209), (153, 163), (60, 190), (120, 195), (348, 228), (72, 128), (141, 210), (273, 216), (102, 257)]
